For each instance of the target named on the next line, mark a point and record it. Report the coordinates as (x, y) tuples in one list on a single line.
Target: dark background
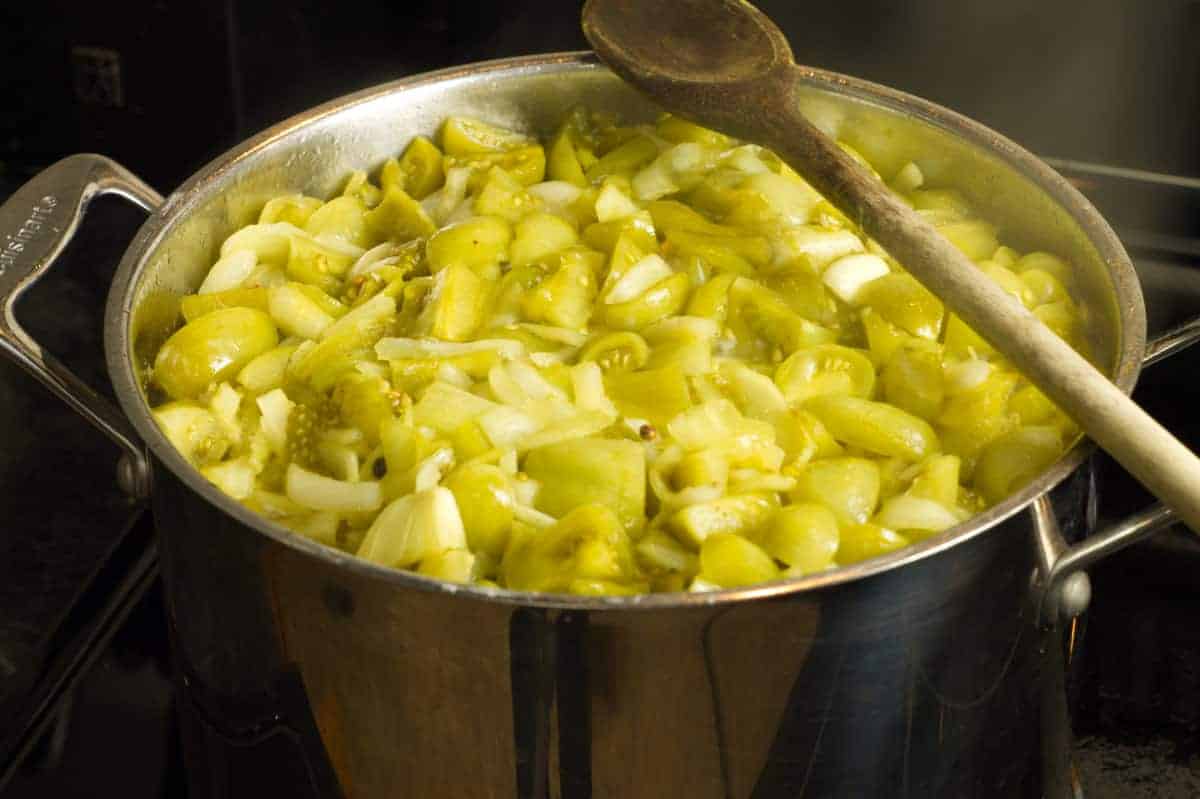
[(164, 86)]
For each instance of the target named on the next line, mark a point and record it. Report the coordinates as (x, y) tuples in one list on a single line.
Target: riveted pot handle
[(1065, 590), (36, 224)]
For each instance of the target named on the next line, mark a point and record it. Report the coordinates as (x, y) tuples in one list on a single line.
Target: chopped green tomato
[(976, 239), (825, 369), (677, 130), (539, 236), (1042, 287), (938, 480), (421, 168), (193, 430), (946, 200), (1012, 460), (625, 159), (638, 228), (801, 288), (468, 136), (803, 535), (480, 244), (913, 380), (452, 565), (669, 215), (342, 218), (364, 403), (875, 426), (711, 300), (1045, 262), (764, 314), (588, 543), (212, 348), (847, 486), (864, 541), (742, 514), (586, 470), (294, 209), (398, 217), (485, 502), (731, 561), (504, 196), (461, 302), (655, 395), (904, 302), (622, 351), (493, 378), (564, 299), (194, 306), (296, 313), (526, 164), (266, 371), (884, 338), (563, 161)]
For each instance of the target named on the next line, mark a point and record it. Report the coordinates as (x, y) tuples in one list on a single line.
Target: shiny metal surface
[(38, 222), (916, 674)]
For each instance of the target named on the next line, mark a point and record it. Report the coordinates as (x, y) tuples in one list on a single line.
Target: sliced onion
[(318, 492), (229, 272), (965, 375), (375, 258), (639, 277), (905, 512), (396, 349), (846, 276), (533, 517), (612, 203), (556, 194)]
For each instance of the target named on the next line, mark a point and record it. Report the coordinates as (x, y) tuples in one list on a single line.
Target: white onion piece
[(639, 277), (533, 516), (846, 276), (966, 375), (318, 492), (556, 194), (819, 245), (395, 349), (587, 382), (375, 258), (505, 426), (229, 272), (906, 512), (612, 203), (275, 408)]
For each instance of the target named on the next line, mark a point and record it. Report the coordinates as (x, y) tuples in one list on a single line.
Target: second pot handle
[(1063, 583), (36, 223)]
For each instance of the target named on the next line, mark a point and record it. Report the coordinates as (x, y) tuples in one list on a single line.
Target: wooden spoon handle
[(1151, 454)]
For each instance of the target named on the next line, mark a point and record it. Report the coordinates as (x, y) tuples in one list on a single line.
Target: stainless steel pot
[(927, 672)]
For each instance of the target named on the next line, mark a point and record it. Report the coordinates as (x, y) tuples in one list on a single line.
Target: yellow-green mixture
[(636, 358)]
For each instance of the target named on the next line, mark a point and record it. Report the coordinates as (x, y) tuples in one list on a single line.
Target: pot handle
[(1064, 586), (36, 223)]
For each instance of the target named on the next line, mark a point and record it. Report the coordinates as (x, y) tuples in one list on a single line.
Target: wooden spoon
[(725, 65)]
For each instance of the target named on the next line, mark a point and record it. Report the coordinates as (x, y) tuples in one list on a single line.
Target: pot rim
[(1130, 310)]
